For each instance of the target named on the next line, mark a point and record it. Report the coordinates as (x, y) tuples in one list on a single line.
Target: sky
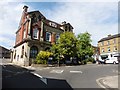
[(98, 18)]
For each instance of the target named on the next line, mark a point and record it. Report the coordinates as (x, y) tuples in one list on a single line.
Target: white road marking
[(76, 72), (41, 78), (47, 68), (56, 71), (115, 71), (69, 66)]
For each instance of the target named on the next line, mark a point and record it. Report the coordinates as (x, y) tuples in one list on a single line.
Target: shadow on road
[(13, 79)]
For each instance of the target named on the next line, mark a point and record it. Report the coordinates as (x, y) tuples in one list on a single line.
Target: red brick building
[(35, 33)]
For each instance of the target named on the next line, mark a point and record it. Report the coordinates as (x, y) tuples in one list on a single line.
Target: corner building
[(109, 46), (35, 33)]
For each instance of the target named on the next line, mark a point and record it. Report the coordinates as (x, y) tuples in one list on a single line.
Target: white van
[(113, 60)]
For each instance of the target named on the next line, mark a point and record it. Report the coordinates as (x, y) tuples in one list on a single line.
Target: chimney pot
[(25, 8), (109, 35)]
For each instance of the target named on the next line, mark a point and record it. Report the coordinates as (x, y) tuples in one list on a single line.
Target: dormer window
[(35, 33), (53, 24)]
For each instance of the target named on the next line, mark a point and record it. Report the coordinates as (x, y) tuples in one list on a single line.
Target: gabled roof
[(110, 37), (36, 12)]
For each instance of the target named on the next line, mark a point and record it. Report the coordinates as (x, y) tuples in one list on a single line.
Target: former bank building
[(35, 33)]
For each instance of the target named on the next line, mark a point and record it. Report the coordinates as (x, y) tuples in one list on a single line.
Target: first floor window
[(57, 36), (35, 33), (24, 34), (48, 36), (114, 40), (102, 43), (108, 42)]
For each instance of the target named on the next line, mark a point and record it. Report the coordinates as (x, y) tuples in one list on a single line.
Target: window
[(52, 24), (17, 57), (108, 49), (24, 34), (48, 36), (57, 36), (114, 40), (108, 42), (115, 48), (102, 43), (102, 49), (33, 52), (35, 33), (22, 52), (15, 54)]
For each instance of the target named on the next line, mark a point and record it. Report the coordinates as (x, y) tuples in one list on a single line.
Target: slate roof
[(110, 37)]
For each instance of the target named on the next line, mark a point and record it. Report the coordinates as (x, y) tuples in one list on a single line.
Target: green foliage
[(84, 62), (84, 44), (70, 46), (42, 57), (66, 45), (90, 59)]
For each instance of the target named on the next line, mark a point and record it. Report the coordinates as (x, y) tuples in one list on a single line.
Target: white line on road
[(41, 78), (47, 68), (56, 71), (76, 72)]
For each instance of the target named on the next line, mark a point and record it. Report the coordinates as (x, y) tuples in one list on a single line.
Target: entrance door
[(33, 54)]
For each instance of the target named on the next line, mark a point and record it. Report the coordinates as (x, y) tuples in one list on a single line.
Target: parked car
[(113, 60), (101, 61), (68, 62)]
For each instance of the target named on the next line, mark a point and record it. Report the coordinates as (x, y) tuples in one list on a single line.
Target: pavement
[(109, 82)]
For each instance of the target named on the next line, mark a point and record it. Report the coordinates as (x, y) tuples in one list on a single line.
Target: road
[(83, 76)]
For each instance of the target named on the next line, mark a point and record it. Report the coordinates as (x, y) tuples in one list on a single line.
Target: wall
[(19, 60)]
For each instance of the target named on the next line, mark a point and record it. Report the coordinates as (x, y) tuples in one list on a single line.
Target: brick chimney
[(25, 8), (109, 35)]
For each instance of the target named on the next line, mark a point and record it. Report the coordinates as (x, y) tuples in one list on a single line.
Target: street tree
[(84, 44), (66, 46)]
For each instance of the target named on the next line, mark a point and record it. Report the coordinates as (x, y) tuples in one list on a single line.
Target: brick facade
[(35, 33)]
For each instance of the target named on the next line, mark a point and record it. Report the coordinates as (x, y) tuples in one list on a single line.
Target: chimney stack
[(25, 8), (109, 35)]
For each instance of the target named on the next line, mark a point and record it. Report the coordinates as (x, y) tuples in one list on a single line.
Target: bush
[(84, 62), (90, 59), (42, 57)]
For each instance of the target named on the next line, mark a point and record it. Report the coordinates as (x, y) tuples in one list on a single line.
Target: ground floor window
[(33, 52)]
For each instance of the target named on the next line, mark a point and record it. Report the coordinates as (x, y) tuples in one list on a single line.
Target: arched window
[(33, 52)]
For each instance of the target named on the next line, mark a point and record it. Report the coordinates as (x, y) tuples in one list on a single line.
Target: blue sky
[(98, 18)]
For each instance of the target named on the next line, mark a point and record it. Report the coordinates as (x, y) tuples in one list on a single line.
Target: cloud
[(98, 18), (10, 14)]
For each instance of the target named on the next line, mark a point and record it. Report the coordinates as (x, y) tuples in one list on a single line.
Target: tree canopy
[(66, 45), (84, 44)]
